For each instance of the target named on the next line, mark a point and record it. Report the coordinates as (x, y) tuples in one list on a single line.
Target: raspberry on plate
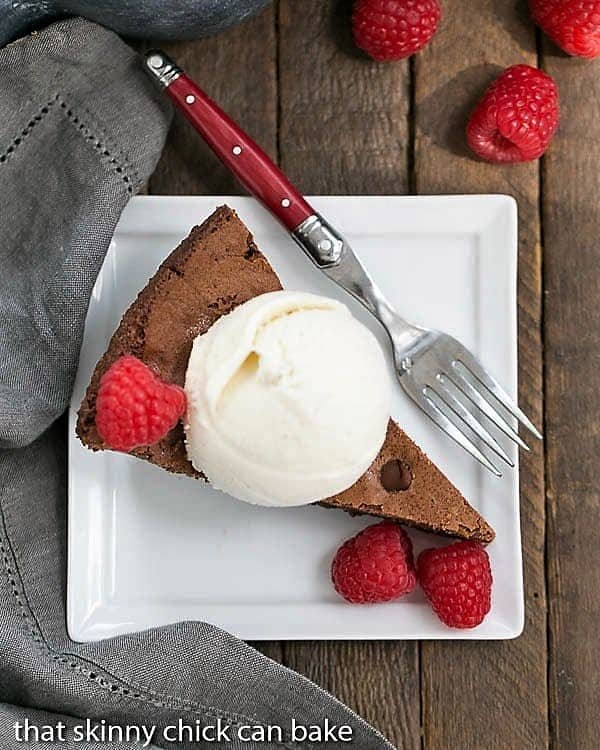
[(572, 24), (394, 29), (516, 117), (376, 565), (134, 407), (457, 580)]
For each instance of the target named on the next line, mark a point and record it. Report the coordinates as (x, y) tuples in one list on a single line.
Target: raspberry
[(376, 565), (134, 407), (516, 117), (393, 29), (573, 24), (457, 580)]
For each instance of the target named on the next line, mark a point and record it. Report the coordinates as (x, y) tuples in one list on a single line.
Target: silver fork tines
[(446, 394), (450, 385), (445, 417), (436, 370), (474, 367), (471, 392)]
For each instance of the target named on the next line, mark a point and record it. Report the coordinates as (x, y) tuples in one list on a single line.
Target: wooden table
[(338, 123)]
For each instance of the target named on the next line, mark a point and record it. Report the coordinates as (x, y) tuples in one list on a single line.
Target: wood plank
[(465, 683), (572, 343), (377, 679), (343, 125), (238, 70), (343, 129)]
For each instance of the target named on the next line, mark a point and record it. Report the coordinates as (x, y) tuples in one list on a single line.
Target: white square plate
[(147, 548)]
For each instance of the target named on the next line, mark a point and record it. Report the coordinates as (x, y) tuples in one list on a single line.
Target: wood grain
[(343, 118), (344, 129), (571, 182), (377, 679), (488, 695), (238, 70)]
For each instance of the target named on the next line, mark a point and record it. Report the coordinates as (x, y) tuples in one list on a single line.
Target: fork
[(441, 375)]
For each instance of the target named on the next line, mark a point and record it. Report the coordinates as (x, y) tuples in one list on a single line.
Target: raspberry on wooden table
[(457, 580), (394, 29), (376, 565), (134, 407), (572, 24), (516, 117)]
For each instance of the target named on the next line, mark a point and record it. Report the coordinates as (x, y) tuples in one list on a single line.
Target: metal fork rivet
[(190, 99), (286, 202), (237, 150), (155, 61)]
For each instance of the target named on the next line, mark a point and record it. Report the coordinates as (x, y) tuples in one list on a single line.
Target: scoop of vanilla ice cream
[(288, 400)]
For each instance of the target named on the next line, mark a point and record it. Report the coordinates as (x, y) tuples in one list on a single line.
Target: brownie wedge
[(214, 269)]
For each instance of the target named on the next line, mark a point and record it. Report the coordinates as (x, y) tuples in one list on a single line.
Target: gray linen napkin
[(80, 130)]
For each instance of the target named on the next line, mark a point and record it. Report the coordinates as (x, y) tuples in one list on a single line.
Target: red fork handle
[(240, 154)]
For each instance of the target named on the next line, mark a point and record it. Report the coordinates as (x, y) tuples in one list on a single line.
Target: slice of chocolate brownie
[(217, 267)]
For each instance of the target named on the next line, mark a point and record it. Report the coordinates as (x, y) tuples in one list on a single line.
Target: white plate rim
[(129, 222)]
